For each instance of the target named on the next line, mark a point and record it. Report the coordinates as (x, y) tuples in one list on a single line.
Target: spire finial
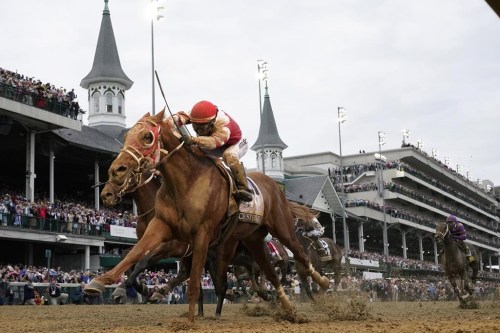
[(106, 9)]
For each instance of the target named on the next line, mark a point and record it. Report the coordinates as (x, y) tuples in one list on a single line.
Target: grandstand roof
[(90, 138)]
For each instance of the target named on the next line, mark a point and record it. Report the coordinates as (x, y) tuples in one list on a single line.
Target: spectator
[(6, 294), (56, 296), (79, 296), (29, 294)]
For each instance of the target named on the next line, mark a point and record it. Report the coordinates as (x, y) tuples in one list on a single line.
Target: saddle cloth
[(253, 211)]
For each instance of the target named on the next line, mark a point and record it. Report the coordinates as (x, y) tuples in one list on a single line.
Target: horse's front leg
[(156, 233), (200, 250), (455, 285), (225, 253), (162, 251)]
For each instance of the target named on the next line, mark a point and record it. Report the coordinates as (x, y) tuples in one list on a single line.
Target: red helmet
[(203, 112)]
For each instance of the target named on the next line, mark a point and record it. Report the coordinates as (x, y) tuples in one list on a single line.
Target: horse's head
[(442, 232), (141, 152)]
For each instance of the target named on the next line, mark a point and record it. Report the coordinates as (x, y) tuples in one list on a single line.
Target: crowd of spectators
[(350, 173), (410, 280), (33, 92), (76, 217), (64, 216)]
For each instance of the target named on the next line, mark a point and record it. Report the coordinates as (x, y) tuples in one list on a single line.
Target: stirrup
[(471, 259)]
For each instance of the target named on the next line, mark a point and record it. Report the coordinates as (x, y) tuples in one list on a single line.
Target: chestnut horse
[(142, 185), (192, 206), (455, 263), (303, 213)]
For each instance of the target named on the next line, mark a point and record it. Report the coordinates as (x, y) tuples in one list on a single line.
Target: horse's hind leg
[(287, 237), (257, 246)]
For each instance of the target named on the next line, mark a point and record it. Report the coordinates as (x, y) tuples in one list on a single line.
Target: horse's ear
[(158, 118)]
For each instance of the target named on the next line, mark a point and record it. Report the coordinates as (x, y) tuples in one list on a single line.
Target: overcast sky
[(430, 66)]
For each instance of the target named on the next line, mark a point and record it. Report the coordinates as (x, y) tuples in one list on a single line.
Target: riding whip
[(168, 108)]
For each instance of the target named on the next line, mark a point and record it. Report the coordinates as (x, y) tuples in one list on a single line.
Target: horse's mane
[(302, 212)]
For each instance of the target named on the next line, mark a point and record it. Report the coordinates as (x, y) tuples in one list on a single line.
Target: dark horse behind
[(455, 264)]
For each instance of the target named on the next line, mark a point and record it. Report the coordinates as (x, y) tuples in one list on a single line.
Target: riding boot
[(242, 193), (466, 250), (469, 255)]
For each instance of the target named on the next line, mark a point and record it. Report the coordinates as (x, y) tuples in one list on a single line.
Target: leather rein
[(149, 154)]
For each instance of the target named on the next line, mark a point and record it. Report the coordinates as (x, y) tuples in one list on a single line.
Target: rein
[(444, 235), (146, 213), (149, 154)]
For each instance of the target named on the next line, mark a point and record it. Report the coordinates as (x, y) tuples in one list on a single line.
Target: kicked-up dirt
[(326, 315)]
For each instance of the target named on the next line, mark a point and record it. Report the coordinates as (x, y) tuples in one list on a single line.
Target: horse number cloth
[(252, 211)]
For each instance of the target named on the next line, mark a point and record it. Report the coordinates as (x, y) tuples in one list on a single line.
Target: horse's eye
[(148, 138)]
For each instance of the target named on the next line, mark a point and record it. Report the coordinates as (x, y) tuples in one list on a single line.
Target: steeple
[(107, 82), (269, 145)]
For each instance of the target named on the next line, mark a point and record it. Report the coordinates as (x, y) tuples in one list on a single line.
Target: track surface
[(440, 317)]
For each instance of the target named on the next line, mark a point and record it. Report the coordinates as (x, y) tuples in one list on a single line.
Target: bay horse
[(243, 263), (455, 263), (192, 206), (304, 213)]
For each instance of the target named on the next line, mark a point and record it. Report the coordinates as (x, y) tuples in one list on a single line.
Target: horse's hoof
[(95, 288), (324, 283)]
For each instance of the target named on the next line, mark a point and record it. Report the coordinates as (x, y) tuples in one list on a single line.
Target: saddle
[(250, 212)]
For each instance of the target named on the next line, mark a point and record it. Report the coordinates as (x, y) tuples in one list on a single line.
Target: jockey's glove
[(187, 139)]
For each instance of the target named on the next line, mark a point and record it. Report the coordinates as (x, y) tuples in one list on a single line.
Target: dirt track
[(441, 317)]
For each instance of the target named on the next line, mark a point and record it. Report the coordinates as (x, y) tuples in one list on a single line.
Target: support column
[(436, 257), (403, 241), (489, 263), (480, 261), (361, 238), (87, 257), (334, 237), (347, 242), (51, 174), (96, 181), (30, 254), (420, 247), (30, 166)]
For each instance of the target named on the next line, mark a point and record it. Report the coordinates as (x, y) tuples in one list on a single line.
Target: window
[(274, 161), (120, 103), (109, 102), (95, 99)]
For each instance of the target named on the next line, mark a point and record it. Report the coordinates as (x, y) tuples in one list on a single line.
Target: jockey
[(314, 230), (458, 232), (220, 134), (274, 251)]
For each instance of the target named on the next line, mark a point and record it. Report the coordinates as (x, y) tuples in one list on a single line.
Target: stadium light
[(341, 118)]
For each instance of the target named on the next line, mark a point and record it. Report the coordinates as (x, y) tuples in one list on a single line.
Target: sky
[(432, 67)]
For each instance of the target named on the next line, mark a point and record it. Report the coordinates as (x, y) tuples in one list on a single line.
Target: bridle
[(145, 155), (443, 235)]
